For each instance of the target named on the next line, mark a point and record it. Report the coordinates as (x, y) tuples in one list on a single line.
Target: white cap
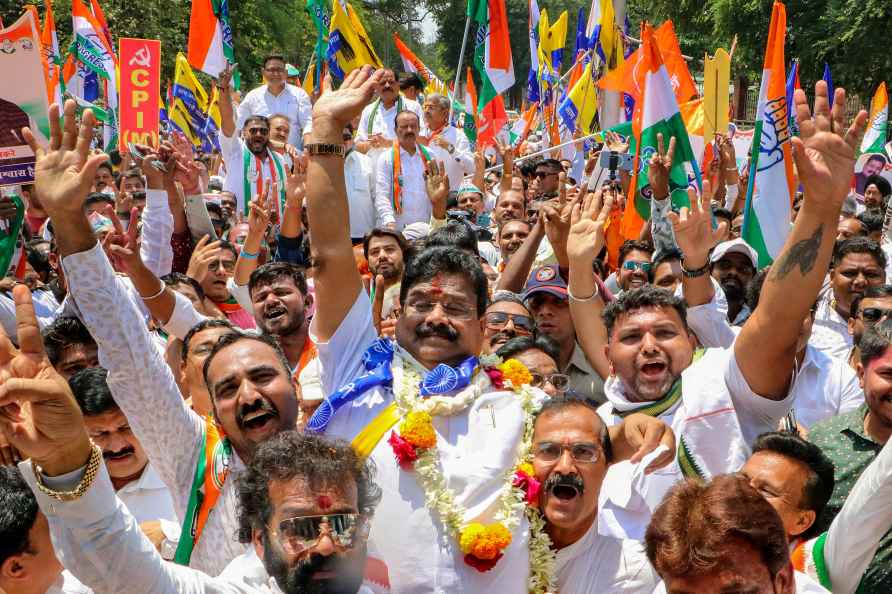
[(738, 246), (311, 382), (415, 231)]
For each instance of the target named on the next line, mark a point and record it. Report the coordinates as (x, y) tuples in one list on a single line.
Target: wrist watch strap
[(697, 272), (324, 148)]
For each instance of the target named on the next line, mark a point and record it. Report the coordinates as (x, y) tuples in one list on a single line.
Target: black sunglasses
[(873, 315)]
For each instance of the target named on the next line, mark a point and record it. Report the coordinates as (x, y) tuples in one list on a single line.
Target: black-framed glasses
[(550, 451), (632, 265), (872, 315), (560, 381), (303, 533), (498, 319), (543, 174)]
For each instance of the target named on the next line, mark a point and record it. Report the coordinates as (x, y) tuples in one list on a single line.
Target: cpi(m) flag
[(140, 63), (349, 46), (579, 109), (22, 104), (412, 63), (492, 58), (210, 36), (769, 200), (875, 137), (656, 113), (190, 102)]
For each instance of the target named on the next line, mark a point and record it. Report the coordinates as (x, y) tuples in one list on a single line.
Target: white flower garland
[(512, 500)]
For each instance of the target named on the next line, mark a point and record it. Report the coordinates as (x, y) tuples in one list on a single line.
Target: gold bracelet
[(92, 469)]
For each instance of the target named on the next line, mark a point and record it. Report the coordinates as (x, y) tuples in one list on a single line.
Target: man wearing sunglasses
[(506, 318), (277, 96), (635, 267), (546, 296), (539, 355), (867, 310), (544, 184)]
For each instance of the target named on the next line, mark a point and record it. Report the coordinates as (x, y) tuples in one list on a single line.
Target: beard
[(283, 325), (299, 578), (734, 289), (389, 271)]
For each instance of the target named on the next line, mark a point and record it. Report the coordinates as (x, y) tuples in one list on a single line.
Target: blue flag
[(829, 80)]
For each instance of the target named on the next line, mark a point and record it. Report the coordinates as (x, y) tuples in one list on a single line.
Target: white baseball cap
[(738, 246)]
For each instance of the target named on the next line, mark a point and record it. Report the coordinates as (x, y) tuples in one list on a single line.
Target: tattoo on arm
[(802, 254)]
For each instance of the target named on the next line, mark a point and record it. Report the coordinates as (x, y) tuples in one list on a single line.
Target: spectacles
[(275, 70), (872, 315), (301, 534), (543, 174), (453, 310), (227, 266), (261, 131), (560, 381), (631, 265), (497, 319), (549, 451)]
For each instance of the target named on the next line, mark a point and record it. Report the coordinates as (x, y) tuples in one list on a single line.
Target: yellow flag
[(580, 107), (349, 46), (716, 99), (553, 41), (190, 102)]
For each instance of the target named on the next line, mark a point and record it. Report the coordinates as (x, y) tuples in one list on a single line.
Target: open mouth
[(564, 492), (258, 420), (653, 369), (275, 313)]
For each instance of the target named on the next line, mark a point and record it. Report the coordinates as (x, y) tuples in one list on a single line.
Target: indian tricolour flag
[(492, 58), (92, 50), (769, 199), (875, 137), (210, 37), (657, 113)]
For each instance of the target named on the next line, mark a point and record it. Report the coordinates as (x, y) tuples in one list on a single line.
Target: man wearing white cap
[(733, 264)]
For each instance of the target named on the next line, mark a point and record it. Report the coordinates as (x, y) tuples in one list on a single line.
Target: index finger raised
[(27, 330)]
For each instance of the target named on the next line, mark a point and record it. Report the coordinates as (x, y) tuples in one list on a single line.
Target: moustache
[(503, 336), (573, 481), (262, 404), (119, 454), (442, 331)]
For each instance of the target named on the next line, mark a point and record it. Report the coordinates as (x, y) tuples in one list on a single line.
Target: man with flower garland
[(719, 400), (446, 430)]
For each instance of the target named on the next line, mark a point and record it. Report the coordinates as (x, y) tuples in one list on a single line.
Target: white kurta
[(293, 102), (460, 162), (477, 448), (416, 206)]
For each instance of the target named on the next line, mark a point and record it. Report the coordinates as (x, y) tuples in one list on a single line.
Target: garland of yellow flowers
[(415, 449)]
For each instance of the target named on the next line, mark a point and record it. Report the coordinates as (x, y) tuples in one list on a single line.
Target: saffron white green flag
[(875, 137), (90, 48), (769, 199)]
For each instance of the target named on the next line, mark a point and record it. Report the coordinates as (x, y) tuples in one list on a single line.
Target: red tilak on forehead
[(324, 501), (436, 285)]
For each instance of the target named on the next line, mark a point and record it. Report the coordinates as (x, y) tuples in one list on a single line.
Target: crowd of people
[(351, 354)]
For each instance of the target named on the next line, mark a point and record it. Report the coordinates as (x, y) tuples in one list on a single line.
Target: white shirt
[(157, 228), (824, 387), (67, 584), (460, 162), (46, 308), (359, 176), (597, 564), (718, 416), (416, 206), (148, 498), (143, 386), (293, 102), (383, 122), (233, 150), (477, 447), (830, 332)]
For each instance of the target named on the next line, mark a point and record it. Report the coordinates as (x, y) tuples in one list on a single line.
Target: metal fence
[(853, 105)]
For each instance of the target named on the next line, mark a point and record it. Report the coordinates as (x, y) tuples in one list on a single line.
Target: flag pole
[(461, 59), (549, 149)]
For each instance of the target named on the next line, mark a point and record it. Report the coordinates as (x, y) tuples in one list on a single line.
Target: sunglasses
[(560, 381), (872, 315), (630, 265), (548, 451), (300, 534), (497, 319), (543, 174)]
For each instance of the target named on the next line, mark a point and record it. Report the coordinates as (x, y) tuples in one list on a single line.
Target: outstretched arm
[(337, 280), (584, 243), (825, 157)]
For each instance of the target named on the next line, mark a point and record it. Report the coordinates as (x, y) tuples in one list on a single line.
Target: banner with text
[(22, 99), (140, 61)]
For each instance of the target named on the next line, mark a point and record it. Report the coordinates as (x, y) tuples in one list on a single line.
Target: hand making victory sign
[(38, 413)]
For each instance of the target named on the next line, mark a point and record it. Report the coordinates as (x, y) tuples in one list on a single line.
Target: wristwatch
[(698, 272), (450, 149), (168, 549), (90, 472), (325, 148)]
